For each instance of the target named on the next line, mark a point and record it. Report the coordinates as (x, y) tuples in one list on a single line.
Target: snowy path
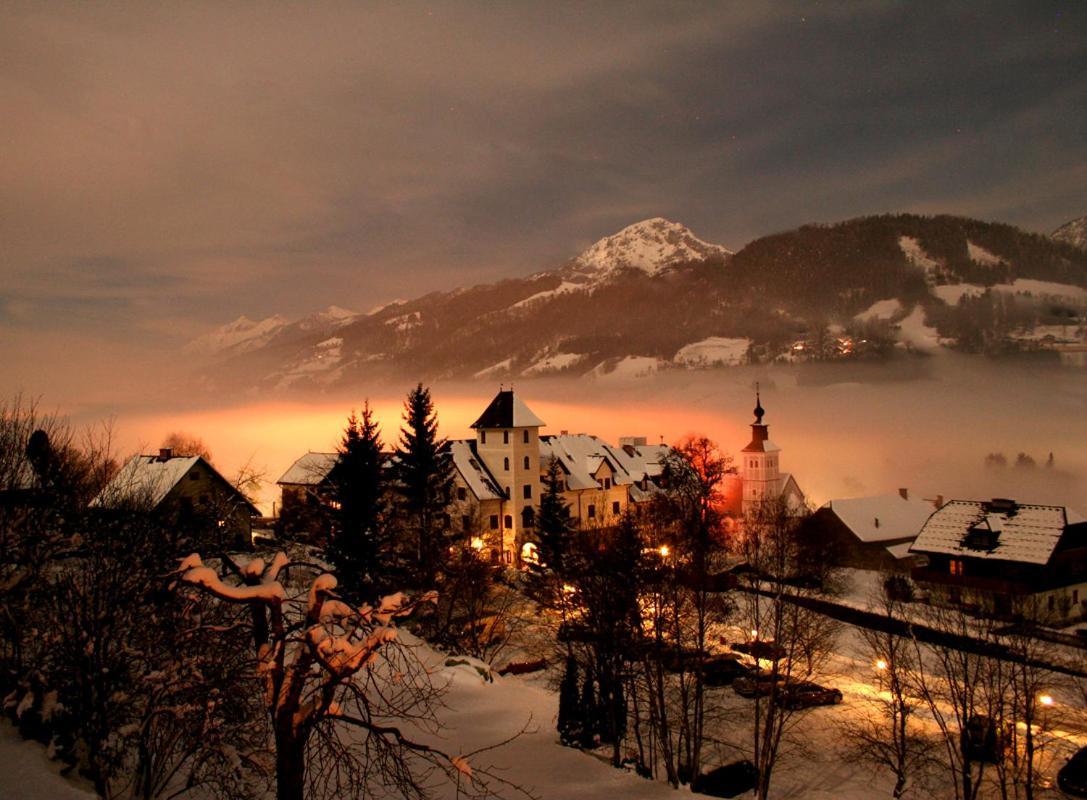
[(26, 773)]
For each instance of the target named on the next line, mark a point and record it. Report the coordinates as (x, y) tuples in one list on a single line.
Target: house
[(1006, 558), (758, 476), (306, 480), (187, 490), (870, 532)]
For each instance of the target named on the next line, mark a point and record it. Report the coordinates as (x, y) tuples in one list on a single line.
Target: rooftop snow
[(471, 468), (146, 478), (898, 517), (1029, 535), (310, 469)]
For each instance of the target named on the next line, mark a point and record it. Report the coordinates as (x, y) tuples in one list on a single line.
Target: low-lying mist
[(845, 430)]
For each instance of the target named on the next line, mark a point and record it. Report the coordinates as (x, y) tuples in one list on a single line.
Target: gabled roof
[(898, 517), (507, 411), (309, 470), (152, 478), (1026, 534), (473, 471), (760, 441), (581, 456)]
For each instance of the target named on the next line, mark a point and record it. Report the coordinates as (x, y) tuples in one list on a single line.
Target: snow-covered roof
[(582, 455), (507, 411), (473, 471), (310, 469), (148, 478), (900, 550), (999, 530), (882, 517)]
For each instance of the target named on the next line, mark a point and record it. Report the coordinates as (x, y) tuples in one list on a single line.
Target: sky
[(167, 167)]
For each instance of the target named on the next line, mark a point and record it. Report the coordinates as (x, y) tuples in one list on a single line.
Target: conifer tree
[(424, 482), (571, 714), (554, 527), (589, 709), (358, 489)]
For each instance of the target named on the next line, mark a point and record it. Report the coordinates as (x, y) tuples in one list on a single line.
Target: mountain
[(654, 296), (243, 335), (1073, 233)]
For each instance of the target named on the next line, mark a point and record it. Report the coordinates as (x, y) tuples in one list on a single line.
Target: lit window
[(955, 567)]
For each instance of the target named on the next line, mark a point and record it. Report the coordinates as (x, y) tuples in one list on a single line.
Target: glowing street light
[(1045, 699), (664, 550), (477, 543), (881, 665)]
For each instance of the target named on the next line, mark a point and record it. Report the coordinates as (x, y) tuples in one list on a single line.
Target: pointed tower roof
[(760, 432), (507, 411)]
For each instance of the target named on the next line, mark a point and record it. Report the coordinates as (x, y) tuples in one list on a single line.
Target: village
[(671, 595)]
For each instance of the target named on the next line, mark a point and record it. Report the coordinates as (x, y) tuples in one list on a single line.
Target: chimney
[(165, 453), (904, 494), (939, 501)]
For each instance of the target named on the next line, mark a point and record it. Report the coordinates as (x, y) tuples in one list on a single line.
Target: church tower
[(760, 466)]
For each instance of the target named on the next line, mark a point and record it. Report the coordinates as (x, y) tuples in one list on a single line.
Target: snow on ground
[(405, 322), (563, 288), (628, 368), (500, 368), (914, 332), (554, 363), (950, 293), (712, 352), (27, 774), (916, 255), (881, 309), (979, 255)]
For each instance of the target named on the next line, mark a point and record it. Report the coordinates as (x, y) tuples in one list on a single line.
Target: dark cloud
[(171, 166)]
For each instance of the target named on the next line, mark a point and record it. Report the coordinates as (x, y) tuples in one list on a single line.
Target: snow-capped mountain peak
[(1073, 233), (651, 246), (240, 336), (333, 316)]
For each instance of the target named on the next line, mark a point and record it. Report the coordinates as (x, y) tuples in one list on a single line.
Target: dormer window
[(981, 537)]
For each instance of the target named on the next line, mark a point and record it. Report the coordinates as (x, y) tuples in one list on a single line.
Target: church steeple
[(759, 411)]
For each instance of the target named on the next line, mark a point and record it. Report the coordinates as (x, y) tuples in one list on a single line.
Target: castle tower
[(508, 442), (760, 466)]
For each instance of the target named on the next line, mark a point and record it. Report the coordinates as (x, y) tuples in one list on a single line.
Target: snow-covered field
[(27, 774)]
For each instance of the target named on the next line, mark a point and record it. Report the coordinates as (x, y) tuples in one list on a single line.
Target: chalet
[(1006, 558), (870, 532), (306, 480), (187, 489)]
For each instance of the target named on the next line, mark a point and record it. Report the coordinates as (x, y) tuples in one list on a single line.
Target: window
[(591, 511), (955, 567), (607, 483), (483, 437), (506, 464), (615, 508), (494, 522), (524, 436), (526, 491), (509, 521), (465, 522), (528, 517), (462, 493), (528, 463), (505, 437)]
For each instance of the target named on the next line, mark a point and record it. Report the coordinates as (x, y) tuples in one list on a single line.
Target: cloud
[(169, 167)]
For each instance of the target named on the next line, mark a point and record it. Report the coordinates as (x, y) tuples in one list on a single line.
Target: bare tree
[(886, 732), (329, 668), (789, 638), (187, 444)]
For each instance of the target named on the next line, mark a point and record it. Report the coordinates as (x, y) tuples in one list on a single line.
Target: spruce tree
[(571, 714), (358, 490), (554, 527), (424, 482), (590, 710)]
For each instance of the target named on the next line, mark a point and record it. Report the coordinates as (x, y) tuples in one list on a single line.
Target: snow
[(331, 317), (310, 469), (898, 517), (405, 322), (650, 246), (881, 309), (1073, 233), (240, 336), (553, 363), (979, 255), (628, 368), (471, 469), (951, 293), (914, 332), (28, 774), (147, 478), (713, 351), (206, 577), (500, 368), (382, 306), (566, 287), (916, 255)]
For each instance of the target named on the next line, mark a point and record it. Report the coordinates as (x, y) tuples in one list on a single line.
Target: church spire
[(759, 410)]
